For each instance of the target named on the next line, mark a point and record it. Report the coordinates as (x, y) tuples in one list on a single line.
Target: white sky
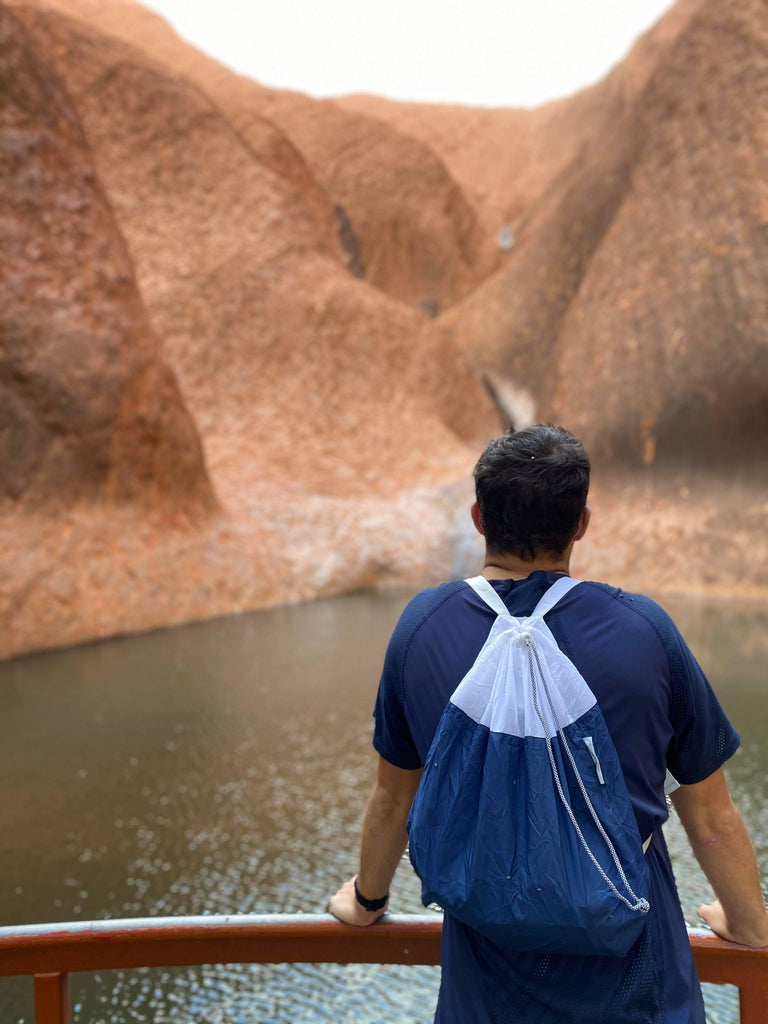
[(480, 52)]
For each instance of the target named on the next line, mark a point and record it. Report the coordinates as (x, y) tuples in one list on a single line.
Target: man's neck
[(510, 567)]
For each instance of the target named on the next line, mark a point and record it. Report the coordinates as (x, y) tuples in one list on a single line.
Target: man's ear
[(584, 518), (477, 519)]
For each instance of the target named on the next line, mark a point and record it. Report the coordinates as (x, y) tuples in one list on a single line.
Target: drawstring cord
[(639, 903)]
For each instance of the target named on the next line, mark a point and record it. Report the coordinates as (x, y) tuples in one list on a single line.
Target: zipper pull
[(589, 744)]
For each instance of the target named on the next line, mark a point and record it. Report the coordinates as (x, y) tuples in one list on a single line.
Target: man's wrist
[(752, 932), (370, 905)]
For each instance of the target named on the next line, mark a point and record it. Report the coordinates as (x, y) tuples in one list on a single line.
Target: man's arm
[(724, 850), (383, 840)]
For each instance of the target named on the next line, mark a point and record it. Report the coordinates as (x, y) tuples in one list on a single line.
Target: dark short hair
[(531, 486)]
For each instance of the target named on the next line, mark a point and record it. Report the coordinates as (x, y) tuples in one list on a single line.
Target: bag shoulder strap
[(558, 590), (483, 589)]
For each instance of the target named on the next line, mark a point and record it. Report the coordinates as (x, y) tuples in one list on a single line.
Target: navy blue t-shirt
[(661, 714)]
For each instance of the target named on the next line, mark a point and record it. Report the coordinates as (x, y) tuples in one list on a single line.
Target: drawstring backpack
[(522, 825)]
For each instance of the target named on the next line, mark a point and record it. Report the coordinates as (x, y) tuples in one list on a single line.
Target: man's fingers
[(712, 914), (342, 903)]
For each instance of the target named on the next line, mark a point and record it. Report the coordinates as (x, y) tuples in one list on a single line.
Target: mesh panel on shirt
[(580, 990)]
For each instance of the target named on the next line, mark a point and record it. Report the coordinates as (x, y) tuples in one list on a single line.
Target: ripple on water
[(254, 994)]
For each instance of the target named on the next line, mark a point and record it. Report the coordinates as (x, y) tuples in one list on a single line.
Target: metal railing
[(50, 953)]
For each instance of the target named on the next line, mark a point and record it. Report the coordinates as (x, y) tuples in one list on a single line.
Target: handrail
[(51, 952)]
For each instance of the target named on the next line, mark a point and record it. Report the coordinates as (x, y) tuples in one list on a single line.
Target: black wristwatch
[(369, 905)]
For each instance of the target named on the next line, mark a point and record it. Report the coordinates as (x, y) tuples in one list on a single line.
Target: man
[(662, 715)]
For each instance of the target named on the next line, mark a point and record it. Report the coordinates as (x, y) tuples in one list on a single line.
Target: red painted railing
[(52, 952)]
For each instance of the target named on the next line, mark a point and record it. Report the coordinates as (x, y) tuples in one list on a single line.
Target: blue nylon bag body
[(490, 834)]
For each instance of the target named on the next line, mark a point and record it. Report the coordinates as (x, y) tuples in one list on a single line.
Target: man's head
[(531, 488)]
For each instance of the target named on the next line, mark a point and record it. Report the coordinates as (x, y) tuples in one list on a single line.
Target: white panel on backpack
[(498, 691)]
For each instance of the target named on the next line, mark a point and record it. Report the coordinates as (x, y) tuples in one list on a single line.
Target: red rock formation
[(505, 159), (283, 252), (89, 409), (414, 234), (152, 36), (402, 221), (260, 325), (330, 414), (669, 324), (638, 285)]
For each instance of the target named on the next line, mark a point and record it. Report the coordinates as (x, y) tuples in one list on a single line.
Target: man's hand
[(344, 905), (714, 915), (383, 841), (724, 850)]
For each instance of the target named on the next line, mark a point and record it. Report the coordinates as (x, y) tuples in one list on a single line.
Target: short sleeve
[(703, 738), (392, 737)]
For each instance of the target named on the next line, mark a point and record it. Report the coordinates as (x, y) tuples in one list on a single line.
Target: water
[(222, 768)]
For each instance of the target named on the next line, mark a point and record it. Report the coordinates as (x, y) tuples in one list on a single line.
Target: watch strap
[(370, 905)]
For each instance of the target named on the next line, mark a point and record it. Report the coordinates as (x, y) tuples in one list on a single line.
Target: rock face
[(637, 270), (89, 408), (400, 218), (238, 323), (414, 233), (639, 282), (330, 413), (506, 159), (670, 320), (236, 282)]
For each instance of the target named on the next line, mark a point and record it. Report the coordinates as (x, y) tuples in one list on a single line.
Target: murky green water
[(222, 768)]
